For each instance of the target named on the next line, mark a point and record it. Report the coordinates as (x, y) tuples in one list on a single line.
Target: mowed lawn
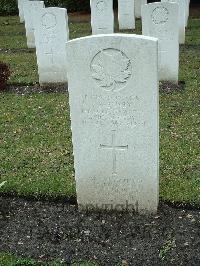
[(35, 138), (11, 260)]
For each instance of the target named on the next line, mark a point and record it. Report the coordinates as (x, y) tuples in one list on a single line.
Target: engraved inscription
[(114, 148), (101, 110), (111, 69), (101, 5), (160, 15), (119, 184), (49, 20), (48, 38)]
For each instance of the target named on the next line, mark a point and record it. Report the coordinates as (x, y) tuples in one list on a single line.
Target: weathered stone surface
[(21, 11), (138, 7), (181, 18), (51, 36), (160, 20), (126, 14), (113, 92), (31, 9), (102, 16)]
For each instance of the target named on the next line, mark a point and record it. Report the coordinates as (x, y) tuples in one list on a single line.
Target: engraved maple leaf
[(110, 69)]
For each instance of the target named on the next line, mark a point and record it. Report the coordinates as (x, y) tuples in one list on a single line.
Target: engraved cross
[(50, 53), (114, 148)]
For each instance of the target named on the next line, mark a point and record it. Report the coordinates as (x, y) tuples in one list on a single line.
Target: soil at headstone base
[(29, 89), (165, 87), (57, 230)]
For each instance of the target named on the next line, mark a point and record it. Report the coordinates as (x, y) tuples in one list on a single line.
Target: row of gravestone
[(113, 96), (103, 19), (47, 30)]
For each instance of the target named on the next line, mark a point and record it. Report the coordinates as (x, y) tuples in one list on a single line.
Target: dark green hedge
[(71, 5), (9, 7)]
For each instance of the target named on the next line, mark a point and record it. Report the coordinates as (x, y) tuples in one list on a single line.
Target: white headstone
[(102, 16), (138, 6), (181, 18), (113, 92), (51, 36), (21, 11), (126, 14), (31, 9), (160, 20), (187, 11)]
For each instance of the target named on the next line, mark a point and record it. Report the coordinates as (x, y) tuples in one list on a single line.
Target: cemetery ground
[(39, 220)]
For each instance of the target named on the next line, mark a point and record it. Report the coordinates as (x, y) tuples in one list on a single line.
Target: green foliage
[(168, 246), (71, 5), (8, 7), (7, 259), (26, 262)]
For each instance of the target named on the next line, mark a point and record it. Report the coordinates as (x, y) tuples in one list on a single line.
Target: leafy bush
[(9, 7), (4, 75), (71, 5)]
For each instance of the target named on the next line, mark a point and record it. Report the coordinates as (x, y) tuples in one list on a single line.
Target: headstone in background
[(31, 9), (160, 20), (21, 11), (113, 92), (126, 14), (187, 11), (138, 6), (102, 16), (181, 18), (51, 35)]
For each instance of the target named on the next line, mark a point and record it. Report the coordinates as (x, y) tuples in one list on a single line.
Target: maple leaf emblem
[(160, 15), (111, 69)]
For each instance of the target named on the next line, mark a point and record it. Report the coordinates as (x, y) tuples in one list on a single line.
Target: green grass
[(36, 150), (12, 33), (13, 42), (77, 30), (11, 260), (193, 32), (35, 136), (179, 135), (23, 67), (10, 24)]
